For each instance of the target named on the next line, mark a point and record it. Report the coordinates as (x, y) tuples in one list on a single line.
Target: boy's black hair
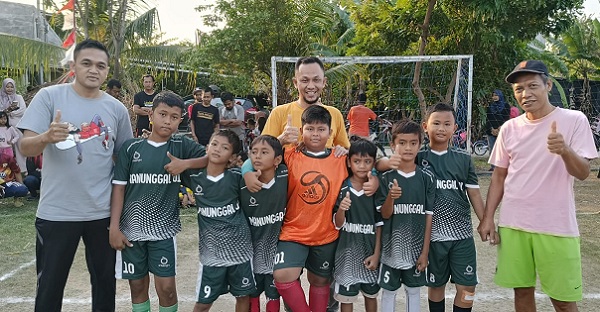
[(243, 155), (226, 96), (5, 114), (170, 99), (271, 141), (113, 83), (316, 114), (90, 44), (309, 60), (148, 76), (406, 126), (362, 147), (440, 107), (232, 138)]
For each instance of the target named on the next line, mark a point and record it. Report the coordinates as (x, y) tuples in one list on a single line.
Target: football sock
[(439, 306), (318, 298), (459, 309), (388, 300), (413, 298), (254, 304), (172, 308), (273, 305), (293, 295), (141, 307)]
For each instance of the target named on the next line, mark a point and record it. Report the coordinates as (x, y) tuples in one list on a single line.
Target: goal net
[(390, 85)]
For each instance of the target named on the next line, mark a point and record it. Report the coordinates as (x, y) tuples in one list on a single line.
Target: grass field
[(18, 276)]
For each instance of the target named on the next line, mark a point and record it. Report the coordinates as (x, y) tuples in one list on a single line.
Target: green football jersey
[(403, 233), (265, 210), (224, 233), (151, 205), (455, 173), (357, 238)]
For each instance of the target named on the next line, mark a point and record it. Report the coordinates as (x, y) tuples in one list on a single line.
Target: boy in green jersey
[(145, 206), (359, 245), (405, 200), (225, 241), (265, 211), (452, 255)]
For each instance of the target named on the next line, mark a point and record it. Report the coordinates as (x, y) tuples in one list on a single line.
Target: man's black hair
[(148, 76), (226, 96), (271, 141), (113, 83), (90, 44), (232, 139), (208, 90), (309, 60), (170, 99), (440, 107), (406, 126), (316, 114)]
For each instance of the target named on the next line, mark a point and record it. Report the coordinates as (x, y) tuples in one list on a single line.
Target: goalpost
[(388, 84)]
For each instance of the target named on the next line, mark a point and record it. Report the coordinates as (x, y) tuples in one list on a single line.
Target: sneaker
[(18, 202)]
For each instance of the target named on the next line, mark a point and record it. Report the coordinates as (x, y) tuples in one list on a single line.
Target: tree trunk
[(417, 76)]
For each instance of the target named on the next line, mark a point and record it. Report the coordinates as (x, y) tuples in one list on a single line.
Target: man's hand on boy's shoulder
[(339, 151)]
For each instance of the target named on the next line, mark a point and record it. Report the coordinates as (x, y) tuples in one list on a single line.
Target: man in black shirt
[(142, 104), (204, 119)]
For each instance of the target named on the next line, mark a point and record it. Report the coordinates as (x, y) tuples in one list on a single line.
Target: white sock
[(388, 300), (413, 299)]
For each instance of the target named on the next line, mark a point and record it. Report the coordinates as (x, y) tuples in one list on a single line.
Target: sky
[(179, 19)]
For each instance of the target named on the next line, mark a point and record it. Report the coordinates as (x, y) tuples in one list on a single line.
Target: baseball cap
[(529, 66), (197, 90)]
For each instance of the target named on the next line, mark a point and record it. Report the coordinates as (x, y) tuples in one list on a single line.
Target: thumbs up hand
[(58, 131), (372, 184), (346, 202), (290, 133), (395, 158), (176, 166), (556, 142), (395, 190)]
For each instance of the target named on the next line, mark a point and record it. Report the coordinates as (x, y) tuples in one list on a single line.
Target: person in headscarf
[(498, 112), (14, 105)]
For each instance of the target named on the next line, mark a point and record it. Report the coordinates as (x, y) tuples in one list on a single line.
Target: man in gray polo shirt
[(79, 129)]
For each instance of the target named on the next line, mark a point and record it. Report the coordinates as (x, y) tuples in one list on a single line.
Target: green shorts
[(555, 259), (158, 257), (349, 294), (215, 281), (392, 279), (317, 259), (452, 258), (265, 282)]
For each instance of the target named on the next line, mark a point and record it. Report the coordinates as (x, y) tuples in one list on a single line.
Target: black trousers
[(56, 245)]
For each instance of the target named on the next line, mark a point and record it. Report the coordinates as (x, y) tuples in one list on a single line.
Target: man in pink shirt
[(537, 156), (359, 117)]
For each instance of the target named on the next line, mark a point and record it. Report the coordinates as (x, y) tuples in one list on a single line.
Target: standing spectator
[(142, 104), (76, 197), (204, 118), (113, 87), (232, 115), (514, 111), (539, 155), (498, 112), (359, 117), (8, 135), (34, 179), (14, 105)]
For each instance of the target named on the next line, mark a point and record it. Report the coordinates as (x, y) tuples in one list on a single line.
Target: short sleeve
[(472, 180), (430, 181), (122, 165)]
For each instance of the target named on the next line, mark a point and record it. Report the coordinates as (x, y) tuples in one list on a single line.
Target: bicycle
[(381, 133), (478, 147)]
